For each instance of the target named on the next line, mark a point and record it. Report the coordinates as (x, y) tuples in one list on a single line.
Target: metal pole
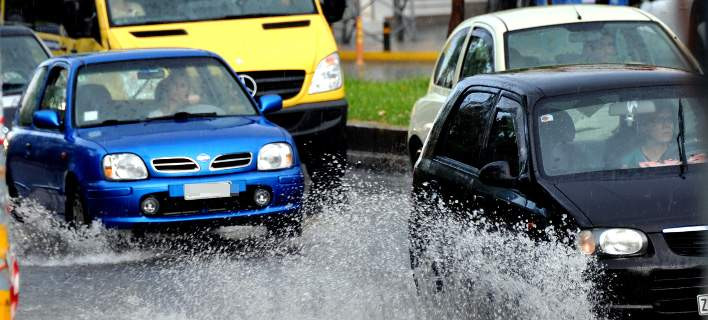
[(359, 41)]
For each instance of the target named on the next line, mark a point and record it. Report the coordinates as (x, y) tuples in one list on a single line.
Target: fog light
[(261, 197), (150, 205)]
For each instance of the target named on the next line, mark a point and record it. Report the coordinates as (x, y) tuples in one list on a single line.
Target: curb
[(377, 147), (408, 56)]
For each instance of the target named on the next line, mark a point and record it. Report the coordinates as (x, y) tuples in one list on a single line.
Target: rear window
[(643, 43)]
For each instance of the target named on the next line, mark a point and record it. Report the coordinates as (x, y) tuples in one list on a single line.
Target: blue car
[(152, 138)]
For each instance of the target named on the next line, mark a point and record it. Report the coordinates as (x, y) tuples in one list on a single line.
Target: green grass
[(388, 102)]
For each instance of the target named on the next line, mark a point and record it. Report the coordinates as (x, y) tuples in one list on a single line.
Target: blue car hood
[(168, 138)]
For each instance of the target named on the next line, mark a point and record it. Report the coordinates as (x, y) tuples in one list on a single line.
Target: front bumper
[(312, 119), (117, 204), (661, 284)]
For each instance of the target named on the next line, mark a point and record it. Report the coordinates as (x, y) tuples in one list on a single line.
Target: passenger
[(601, 51), (657, 144), (126, 9), (173, 94)]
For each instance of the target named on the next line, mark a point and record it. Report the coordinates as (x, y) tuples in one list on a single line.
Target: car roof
[(127, 55), (556, 81), (13, 30), (533, 17)]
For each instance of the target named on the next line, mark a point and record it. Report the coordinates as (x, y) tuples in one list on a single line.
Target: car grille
[(286, 83), (174, 165), (674, 292), (231, 161), (180, 206), (694, 243)]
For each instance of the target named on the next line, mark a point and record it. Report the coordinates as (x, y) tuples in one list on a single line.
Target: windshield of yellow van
[(642, 43), (137, 12), (617, 130), (134, 91)]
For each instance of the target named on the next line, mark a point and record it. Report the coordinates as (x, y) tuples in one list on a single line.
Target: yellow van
[(283, 47)]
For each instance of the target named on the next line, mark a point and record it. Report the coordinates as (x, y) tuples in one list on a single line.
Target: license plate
[(207, 190), (703, 304)]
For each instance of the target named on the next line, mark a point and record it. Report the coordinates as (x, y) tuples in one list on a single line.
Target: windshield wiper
[(681, 140), (184, 116), (110, 122)]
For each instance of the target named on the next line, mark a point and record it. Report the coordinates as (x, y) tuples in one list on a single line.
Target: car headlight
[(328, 75), (613, 242), (275, 156), (124, 166)]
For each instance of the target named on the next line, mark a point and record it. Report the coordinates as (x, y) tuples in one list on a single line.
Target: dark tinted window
[(480, 54), (502, 144), (445, 70), (29, 101), (463, 132)]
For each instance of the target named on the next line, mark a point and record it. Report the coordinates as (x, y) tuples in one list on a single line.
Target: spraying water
[(352, 262)]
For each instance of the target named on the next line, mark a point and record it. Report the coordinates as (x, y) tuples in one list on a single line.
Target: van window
[(29, 102), (447, 64), (138, 12), (463, 132)]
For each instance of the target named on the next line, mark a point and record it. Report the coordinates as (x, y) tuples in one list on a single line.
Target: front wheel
[(76, 212)]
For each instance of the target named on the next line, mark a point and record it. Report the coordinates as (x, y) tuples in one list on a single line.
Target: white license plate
[(207, 190), (703, 304)]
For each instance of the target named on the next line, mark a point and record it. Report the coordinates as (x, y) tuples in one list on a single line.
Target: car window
[(447, 64), (19, 57), (140, 90), (480, 54), (644, 43), (502, 143), (54, 97), (463, 132), (29, 102), (618, 130)]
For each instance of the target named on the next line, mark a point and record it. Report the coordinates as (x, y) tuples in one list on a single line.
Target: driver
[(657, 144), (173, 94)]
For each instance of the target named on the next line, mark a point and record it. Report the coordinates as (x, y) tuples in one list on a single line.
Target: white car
[(545, 37)]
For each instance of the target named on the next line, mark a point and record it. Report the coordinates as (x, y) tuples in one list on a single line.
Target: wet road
[(350, 263)]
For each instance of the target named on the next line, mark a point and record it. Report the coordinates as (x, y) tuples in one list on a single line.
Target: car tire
[(76, 212), (286, 226)]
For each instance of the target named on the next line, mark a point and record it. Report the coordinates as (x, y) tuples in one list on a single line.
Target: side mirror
[(46, 119), (497, 174), (333, 10), (270, 103)]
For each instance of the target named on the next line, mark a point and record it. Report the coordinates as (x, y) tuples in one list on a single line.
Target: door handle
[(28, 145)]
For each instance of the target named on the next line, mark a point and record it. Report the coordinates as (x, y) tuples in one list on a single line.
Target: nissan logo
[(250, 84), (203, 157)]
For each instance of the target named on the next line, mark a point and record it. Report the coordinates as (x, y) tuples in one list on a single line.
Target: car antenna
[(577, 12), (681, 140)]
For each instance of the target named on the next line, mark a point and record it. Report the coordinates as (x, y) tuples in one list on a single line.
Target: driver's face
[(179, 90)]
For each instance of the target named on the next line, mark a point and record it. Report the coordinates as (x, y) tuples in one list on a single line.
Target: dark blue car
[(152, 137)]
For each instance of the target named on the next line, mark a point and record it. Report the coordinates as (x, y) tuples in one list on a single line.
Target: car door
[(443, 80), (479, 56), (506, 141), (19, 145), (454, 166), (48, 155)]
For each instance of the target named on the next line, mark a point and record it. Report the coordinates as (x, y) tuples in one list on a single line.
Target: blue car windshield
[(131, 91), (620, 130), (139, 12)]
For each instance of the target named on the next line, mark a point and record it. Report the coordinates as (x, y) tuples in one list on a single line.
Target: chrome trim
[(686, 229), (211, 164), (199, 168)]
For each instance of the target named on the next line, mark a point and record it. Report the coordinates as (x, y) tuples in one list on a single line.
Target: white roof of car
[(532, 17)]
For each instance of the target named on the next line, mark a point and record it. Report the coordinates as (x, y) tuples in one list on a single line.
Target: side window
[(480, 54), (502, 144), (54, 97), (445, 70), (462, 135), (29, 104)]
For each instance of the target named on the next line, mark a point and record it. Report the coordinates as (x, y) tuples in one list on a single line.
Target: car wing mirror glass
[(270, 103), (497, 173), (46, 119)]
